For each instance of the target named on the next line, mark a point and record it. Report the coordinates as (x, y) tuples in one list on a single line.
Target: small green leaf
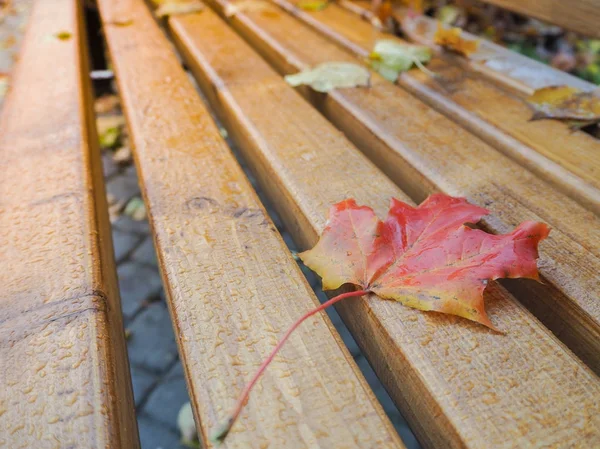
[(110, 137), (390, 58), (331, 75)]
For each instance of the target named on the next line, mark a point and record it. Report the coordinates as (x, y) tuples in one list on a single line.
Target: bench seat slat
[(482, 388), (568, 160), (423, 151), (232, 286), (64, 373)]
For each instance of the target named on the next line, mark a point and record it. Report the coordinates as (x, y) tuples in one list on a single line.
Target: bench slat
[(576, 15), (63, 363), (423, 151), (569, 160), (232, 285), (482, 388)]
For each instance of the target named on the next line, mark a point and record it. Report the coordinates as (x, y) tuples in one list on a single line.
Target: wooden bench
[(233, 287)]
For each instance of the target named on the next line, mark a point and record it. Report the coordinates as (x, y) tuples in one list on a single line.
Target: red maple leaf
[(423, 257)]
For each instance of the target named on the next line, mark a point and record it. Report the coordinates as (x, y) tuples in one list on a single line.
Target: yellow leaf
[(313, 5), (63, 35), (450, 38), (565, 103), (331, 75), (172, 8), (233, 8)]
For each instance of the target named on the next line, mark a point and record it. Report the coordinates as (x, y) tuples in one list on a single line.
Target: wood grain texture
[(63, 363), (232, 285), (568, 160), (460, 384), (499, 64), (582, 16), (423, 152)]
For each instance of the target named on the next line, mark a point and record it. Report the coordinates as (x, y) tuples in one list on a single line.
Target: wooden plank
[(423, 152), (568, 160), (63, 363), (497, 63), (232, 285), (485, 390), (576, 15)]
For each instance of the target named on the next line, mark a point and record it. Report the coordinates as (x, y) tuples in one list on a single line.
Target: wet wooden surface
[(233, 288), (568, 160), (63, 364), (423, 151), (484, 390)]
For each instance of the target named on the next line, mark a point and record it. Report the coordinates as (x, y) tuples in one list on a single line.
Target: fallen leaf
[(122, 155), (331, 75), (106, 103), (135, 209), (63, 35), (566, 103), (448, 14), (231, 8), (313, 5), (173, 7), (390, 58), (450, 39), (105, 122), (423, 257), (3, 84), (110, 137)]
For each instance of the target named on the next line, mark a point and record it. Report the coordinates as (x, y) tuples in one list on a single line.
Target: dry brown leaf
[(122, 155), (450, 39), (566, 103), (173, 7), (231, 9)]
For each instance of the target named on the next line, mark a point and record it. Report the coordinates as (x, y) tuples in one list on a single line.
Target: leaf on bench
[(450, 39), (231, 9), (313, 5), (566, 103), (390, 58), (331, 75), (423, 257), (174, 7)]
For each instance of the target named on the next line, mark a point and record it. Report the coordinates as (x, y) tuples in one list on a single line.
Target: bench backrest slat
[(64, 373), (481, 387), (232, 286), (582, 16)]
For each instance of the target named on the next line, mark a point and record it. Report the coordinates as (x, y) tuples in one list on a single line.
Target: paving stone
[(145, 253), (125, 223), (109, 166), (123, 243), (137, 283), (123, 187), (152, 343), (166, 399), (142, 382), (153, 435)]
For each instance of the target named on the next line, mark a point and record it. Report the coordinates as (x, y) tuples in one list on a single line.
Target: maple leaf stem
[(224, 428)]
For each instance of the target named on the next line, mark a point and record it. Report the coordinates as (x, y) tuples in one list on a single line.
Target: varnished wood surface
[(568, 160), (423, 151), (232, 285), (459, 384), (64, 374), (582, 16)]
